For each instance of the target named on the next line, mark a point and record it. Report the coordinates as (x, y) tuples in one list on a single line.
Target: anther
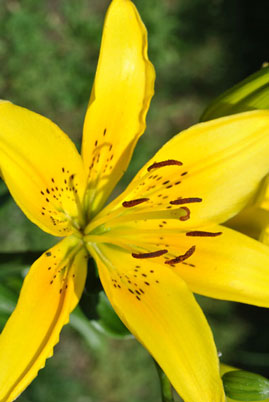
[(181, 258), (181, 201), (133, 203), (169, 162), (187, 216), (201, 233), (150, 255)]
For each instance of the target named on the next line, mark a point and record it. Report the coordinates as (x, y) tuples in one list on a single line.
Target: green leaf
[(109, 323), (4, 198), (166, 387), (85, 327), (249, 94), (13, 263), (7, 300), (90, 297), (3, 319), (97, 308), (245, 386)]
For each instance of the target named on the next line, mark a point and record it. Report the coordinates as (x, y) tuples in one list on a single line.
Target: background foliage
[(48, 55)]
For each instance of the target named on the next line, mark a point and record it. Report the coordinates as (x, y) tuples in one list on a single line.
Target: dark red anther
[(169, 162), (181, 201), (133, 203), (150, 255), (187, 216), (200, 233), (181, 258)]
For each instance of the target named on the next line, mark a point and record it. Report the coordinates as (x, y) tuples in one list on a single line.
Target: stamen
[(181, 258), (80, 211), (187, 216), (133, 203), (169, 162), (150, 255), (181, 201), (203, 234)]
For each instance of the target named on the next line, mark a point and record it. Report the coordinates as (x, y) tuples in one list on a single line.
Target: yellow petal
[(120, 98), (252, 221), (51, 290), (229, 266), (224, 368), (223, 162), (264, 236), (156, 305), (214, 261), (263, 195), (41, 167)]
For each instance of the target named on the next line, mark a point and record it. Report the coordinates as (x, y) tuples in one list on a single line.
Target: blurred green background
[(48, 55)]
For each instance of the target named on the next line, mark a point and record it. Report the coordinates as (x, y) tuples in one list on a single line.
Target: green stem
[(166, 387)]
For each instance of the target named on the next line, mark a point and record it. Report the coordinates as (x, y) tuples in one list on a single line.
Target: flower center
[(145, 208)]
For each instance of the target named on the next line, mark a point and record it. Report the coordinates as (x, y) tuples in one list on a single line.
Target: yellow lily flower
[(156, 243)]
